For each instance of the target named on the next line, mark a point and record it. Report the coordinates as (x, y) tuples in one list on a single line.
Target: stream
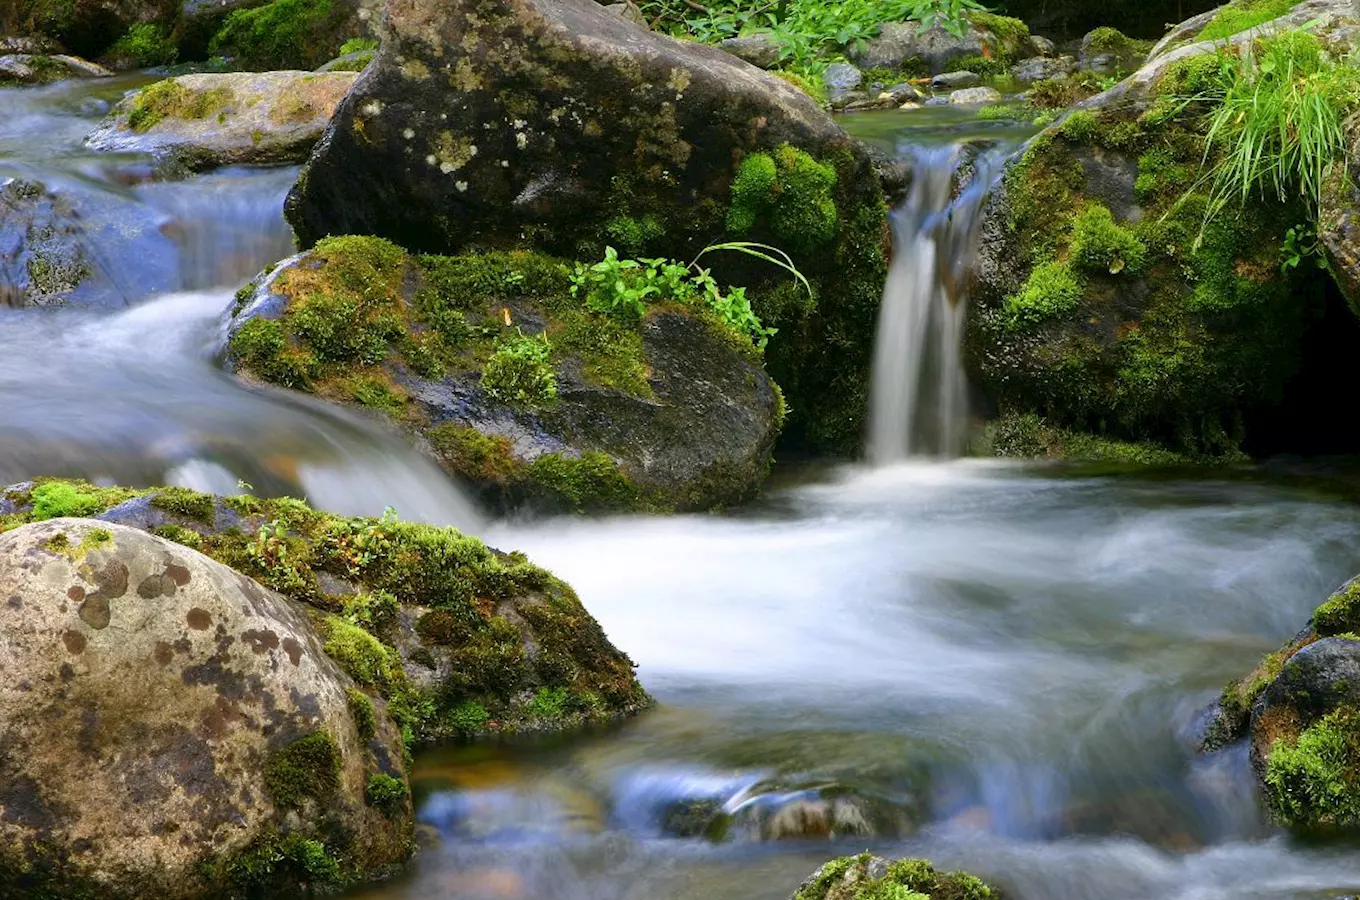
[(996, 666)]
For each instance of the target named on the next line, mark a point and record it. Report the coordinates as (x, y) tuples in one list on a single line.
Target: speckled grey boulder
[(145, 693)]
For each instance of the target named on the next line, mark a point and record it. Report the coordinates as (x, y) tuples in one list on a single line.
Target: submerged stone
[(166, 721)]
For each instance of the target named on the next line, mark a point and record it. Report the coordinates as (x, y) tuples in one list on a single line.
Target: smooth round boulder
[(170, 728)]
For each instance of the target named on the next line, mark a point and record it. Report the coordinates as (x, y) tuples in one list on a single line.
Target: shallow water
[(993, 666), (1009, 660)]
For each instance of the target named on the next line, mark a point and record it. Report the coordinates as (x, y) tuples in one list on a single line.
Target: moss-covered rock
[(559, 126), (28, 69), (989, 45), (1109, 303), (204, 121), (456, 639), (867, 877), (517, 385), (1300, 710), (86, 27), (169, 723)]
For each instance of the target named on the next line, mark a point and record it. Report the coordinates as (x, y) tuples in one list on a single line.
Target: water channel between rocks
[(994, 666)]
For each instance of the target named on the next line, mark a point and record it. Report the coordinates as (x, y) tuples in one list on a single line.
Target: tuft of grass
[(1277, 126)]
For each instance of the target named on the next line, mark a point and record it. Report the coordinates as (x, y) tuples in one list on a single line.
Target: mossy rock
[(456, 639), (868, 877), (18, 69), (558, 126), (989, 44), (268, 35), (1299, 709), (1107, 305), (86, 27), (240, 118), (512, 381), (177, 730)]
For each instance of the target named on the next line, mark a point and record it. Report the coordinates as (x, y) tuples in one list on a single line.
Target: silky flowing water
[(995, 666)]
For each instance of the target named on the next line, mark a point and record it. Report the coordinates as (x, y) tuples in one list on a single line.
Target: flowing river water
[(995, 666)]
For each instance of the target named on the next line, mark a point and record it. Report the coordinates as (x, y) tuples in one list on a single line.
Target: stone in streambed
[(29, 69), (165, 720), (866, 876), (667, 410), (975, 95), (206, 121)]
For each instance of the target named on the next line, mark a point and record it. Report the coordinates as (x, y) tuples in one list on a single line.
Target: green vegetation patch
[(308, 769), (145, 44), (1052, 291), (1238, 16), (1099, 244), (171, 100), (792, 192), (282, 34), (1313, 781), (848, 878)]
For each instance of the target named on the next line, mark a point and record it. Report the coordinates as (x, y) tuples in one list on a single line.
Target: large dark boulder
[(558, 125), (513, 382)]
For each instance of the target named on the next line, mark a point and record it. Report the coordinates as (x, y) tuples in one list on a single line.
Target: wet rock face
[(78, 246), (486, 122), (240, 118), (161, 715)]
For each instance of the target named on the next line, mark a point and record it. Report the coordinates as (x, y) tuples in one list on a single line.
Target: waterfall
[(918, 393)]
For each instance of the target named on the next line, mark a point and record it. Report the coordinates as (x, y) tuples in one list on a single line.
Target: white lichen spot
[(453, 152), (408, 133), (521, 140), (518, 124), (555, 115), (447, 168), (461, 185), (505, 164), (371, 108), (431, 159)]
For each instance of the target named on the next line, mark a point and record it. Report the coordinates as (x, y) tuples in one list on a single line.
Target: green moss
[(1111, 40), (282, 865), (1240, 15), (1011, 36), (360, 654), (1063, 92), (812, 86), (1312, 783), (145, 44), (848, 878), (1099, 244), (76, 499), (386, 793), (361, 711), (469, 717), (549, 703), (1030, 436), (520, 372), (358, 45), (791, 191), (171, 100), (634, 234), (279, 35), (591, 481), (1340, 612), (481, 456), (187, 503), (377, 392), (1052, 291), (308, 769)]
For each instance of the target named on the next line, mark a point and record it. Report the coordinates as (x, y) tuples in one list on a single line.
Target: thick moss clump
[(145, 44), (1132, 318), (429, 619), (866, 877), (1236, 17), (307, 770), (1029, 436), (792, 191), (1311, 781), (282, 34)]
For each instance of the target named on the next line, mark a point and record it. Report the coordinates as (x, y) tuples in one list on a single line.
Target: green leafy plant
[(623, 287), (1300, 244), (521, 373), (145, 44)]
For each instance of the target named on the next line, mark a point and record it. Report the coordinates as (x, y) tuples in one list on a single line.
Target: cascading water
[(918, 393)]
